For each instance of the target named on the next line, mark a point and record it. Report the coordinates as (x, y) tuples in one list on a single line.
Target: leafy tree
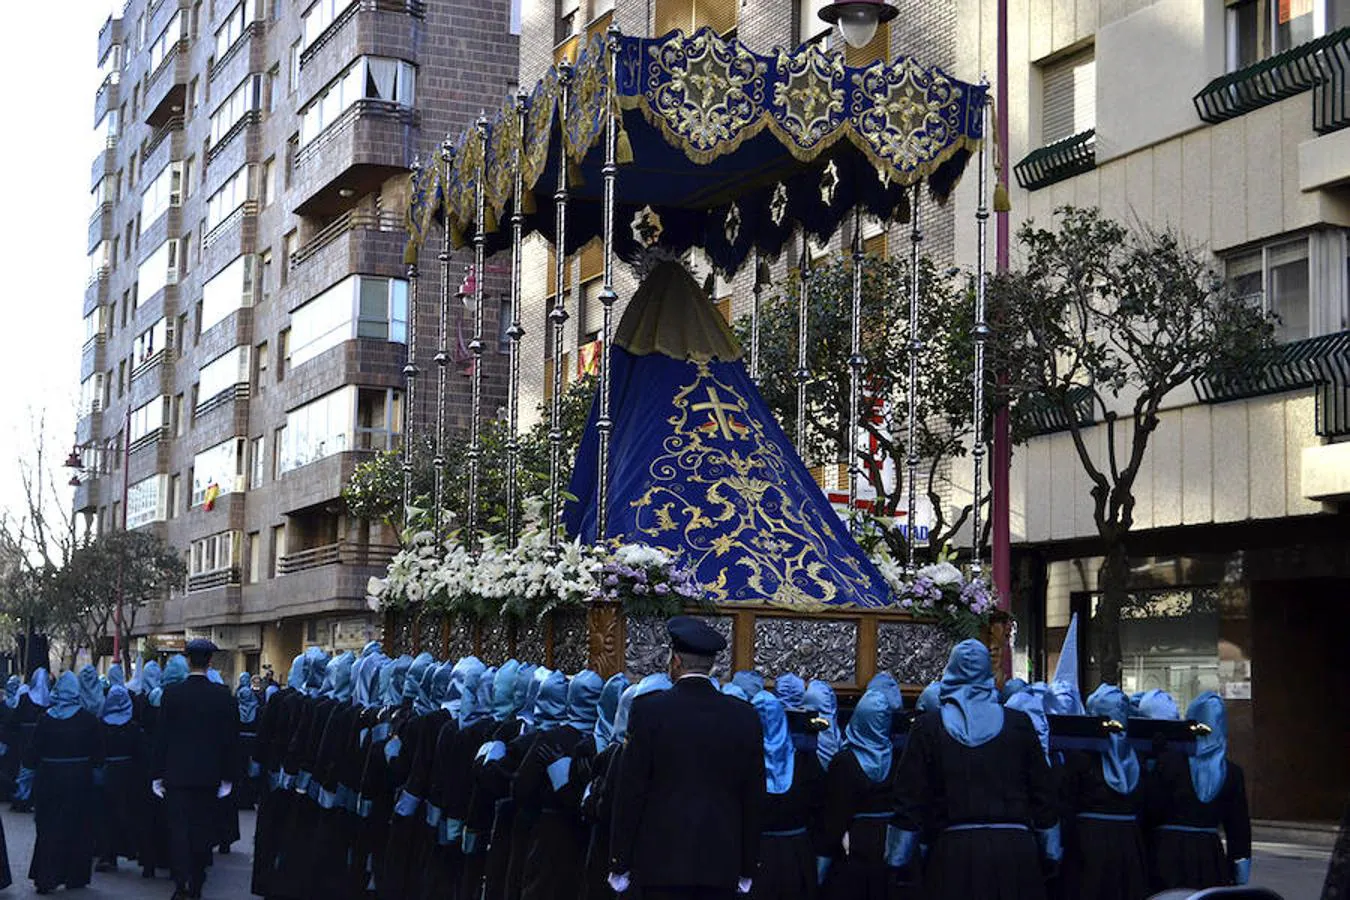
[(1119, 317), (375, 490), (944, 411)]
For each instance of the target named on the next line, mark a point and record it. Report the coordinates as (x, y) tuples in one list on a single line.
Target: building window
[(167, 41), (160, 269), (368, 78), (232, 195), (254, 542), (175, 491), (691, 15), (278, 441), (358, 306), (810, 25), (319, 17), (262, 359), (150, 418), (149, 344), (1257, 29), (1276, 278), (217, 471), (235, 24), (293, 67), (147, 501), (278, 548), (165, 191), (244, 99), (216, 553), (515, 16), (223, 374), (1068, 96), (91, 394), (228, 290), (267, 186), (257, 457), (179, 421)]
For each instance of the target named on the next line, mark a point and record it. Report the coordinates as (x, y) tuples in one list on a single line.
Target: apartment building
[(1224, 119), (248, 306)]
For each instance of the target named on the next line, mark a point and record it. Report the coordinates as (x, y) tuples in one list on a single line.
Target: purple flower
[(907, 603), (662, 589), (639, 589)]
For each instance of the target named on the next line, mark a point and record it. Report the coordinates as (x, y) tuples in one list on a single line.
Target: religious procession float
[(686, 493)]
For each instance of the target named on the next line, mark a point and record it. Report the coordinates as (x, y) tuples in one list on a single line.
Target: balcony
[(1321, 363), (374, 140), (342, 553), (166, 143), (100, 226), (1315, 66), (105, 164), (210, 581), (247, 54), (363, 13), (95, 293), (108, 36), (107, 98), (1058, 161), (87, 494), (166, 88), (357, 241), (93, 358)]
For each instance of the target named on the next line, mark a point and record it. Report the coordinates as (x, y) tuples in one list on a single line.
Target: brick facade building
[(246, 314)]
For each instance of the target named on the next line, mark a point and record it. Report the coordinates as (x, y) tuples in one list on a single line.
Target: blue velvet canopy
[(733, 150)]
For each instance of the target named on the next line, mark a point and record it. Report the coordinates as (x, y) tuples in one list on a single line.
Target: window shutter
[(672, 14), (719, 15), (879, 48), (1069, 97)]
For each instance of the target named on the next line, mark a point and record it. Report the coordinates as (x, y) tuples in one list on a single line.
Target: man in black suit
[(194, 766), (691, 780)]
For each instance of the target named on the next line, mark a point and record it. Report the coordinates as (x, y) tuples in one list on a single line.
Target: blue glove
[(492, 751), (100, 776), (822, 869), (900, 846), (1242, 871), (327, 799), (558, 772), (470, 842), (392, 749), (1051, 846), (406, 804), (434, 815), (448, 831)]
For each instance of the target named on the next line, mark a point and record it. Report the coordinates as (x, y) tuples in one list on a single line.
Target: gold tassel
[(574, 178), (527, 204), (1001, 202), (623, 154), (410, 254), (456, 235)]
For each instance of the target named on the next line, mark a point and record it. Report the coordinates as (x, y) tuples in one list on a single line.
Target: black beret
[(200, 647), (695, 636)]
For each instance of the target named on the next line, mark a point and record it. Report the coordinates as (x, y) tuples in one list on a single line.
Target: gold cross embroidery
[(717, 411)]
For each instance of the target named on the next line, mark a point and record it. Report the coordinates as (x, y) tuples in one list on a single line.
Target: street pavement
[(1293, 871)]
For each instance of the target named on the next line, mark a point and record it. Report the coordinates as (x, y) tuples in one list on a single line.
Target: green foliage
[(944, 410), (375, 490), (1127, 315)]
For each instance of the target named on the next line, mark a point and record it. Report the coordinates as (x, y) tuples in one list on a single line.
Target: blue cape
[(476, 704), (175, 672), (117, 707), (296, 677), (116, 675), (820, 699), (1209, 765), (928, 700), (215, 677), (504, 690), (749, 682), (40, 693), (391, 690), (550, 706), (440, 692), (91, 692), (1120, 766), (342, 677), (416, 684), (657, 681), (869, 735), (522, 701), (971, 713), (583, 700), (1011, 688), (316, 670), (12, 691), (246, 699), (1032, 702), (609, 708), (1062, 699), (779, 753), (152, 679), (537, 674), (1158, 704), (366, 692), (790, 689), (885, 683), (734, 690), (65, 697)]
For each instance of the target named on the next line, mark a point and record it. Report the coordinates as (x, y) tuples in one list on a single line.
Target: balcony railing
[(108, 35), (1284, 75), (1047, 417), (106, 98), (353, 220), (341, 553), (209, 581), (1058, 161), (1331, 98), (160, 133), (1322, 363), (251, 117)]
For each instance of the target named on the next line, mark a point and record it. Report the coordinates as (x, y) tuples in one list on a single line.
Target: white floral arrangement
[(961, 603)]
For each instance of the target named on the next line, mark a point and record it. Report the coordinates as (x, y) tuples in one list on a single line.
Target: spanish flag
[(212, 492)]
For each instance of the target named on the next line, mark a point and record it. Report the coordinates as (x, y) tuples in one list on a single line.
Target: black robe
[(860, 808), (1186, 850), (274, 730), (555, 847), (597, 810), (122, 811), (490, 818), (64, 753), (24, 720), (953, 792), (375, 791), (451, 793), (339, 875), (300, 854), (9, 761), (249, 789), (1104, 856), (791, 823), (407, 840), (154, 831)]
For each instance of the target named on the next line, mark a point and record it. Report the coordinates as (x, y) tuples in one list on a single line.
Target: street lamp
[(857, 20)]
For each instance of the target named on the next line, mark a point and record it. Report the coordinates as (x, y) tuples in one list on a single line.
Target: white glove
[(158, 787), (845, 842), (224, 790), (618, 883), (743, 886)]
